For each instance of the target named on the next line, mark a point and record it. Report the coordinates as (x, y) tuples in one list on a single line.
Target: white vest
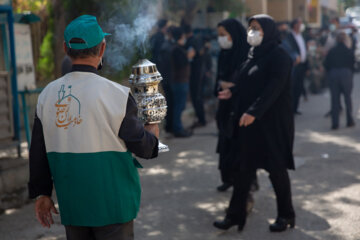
[(82, 113)]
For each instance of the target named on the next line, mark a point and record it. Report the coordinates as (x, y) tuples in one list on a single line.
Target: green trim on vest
[(96, 189)]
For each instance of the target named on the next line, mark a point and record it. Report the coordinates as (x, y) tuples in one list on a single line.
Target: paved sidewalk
[(180, 202)]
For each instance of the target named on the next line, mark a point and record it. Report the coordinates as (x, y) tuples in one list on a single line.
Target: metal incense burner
[(144, 81)]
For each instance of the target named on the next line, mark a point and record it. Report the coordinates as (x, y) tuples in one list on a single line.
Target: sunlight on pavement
[(155, 171), (190, 153), (317, 137), (212, 207), (154, 233), (343, 202), (11, 211)]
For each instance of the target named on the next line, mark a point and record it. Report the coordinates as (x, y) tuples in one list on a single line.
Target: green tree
[(35, 6), (348, 3)]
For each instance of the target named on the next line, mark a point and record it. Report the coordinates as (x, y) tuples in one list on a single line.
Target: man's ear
[(102, 49)]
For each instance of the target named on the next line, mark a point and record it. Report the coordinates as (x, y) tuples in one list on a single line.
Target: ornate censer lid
[(144, 72)]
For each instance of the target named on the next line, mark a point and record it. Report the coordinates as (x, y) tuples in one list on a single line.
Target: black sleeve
[(277, 79), (40, 182), (326, 62), (352, 61), (137, 140)]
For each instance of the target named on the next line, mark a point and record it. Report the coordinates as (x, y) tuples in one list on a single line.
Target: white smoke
[(128, 39)]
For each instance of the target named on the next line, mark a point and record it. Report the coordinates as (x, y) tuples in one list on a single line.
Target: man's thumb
[(54, 210)]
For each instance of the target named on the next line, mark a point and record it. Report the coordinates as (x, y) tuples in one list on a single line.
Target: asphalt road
[(179, 200)]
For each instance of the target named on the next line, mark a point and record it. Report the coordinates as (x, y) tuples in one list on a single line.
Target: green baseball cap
[(83, 32)]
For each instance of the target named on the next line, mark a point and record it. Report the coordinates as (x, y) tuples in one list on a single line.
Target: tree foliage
[(348, 3), (35, 6)]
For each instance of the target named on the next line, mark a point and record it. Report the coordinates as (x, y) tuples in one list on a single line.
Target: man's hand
[(191, 54), (226, 85), (153, 128), (246, 120), (43, 208), (224, 94), (297, 60)]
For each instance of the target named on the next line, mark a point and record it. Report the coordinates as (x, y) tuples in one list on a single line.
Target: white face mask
[(224, 42), (332, 27), (302, 28), (254, 38)]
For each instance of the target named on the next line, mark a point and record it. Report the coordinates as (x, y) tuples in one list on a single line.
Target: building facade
[(286, 10)]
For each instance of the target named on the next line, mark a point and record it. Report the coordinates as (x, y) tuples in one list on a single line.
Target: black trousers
[(197, 94), (341, 83), (242, 183), (226, 171), (298, 84), (123, 231), (170, 105)]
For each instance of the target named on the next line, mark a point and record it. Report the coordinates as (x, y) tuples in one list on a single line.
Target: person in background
[(85, 130), (354, 39), (196, 75), (340, 76), (334, 29), (208, 78), (157, 40), (165, 68), (283, 28), (234, 50), (297, 51), (265, 118), (180, 60)]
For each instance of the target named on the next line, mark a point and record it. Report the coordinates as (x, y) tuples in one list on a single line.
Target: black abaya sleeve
[(279, 73)]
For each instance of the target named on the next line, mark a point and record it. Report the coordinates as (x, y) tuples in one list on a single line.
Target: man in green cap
[(85, 132)]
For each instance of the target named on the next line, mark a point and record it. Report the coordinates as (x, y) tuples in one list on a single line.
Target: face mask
[(224, 42), (302, 27), (312, 49), (332, 27), (254, 38)]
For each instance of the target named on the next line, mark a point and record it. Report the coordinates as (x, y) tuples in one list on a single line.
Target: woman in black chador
[(234, 50), (265, 131)]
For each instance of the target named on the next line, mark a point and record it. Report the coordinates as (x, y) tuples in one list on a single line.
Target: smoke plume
[(129, 38)]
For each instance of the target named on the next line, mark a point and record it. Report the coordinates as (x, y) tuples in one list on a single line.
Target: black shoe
[(334, 127), (350, 124), (198, 124), (224, 187), (297, 113), (228, 223), (183, 134), (281, 224)]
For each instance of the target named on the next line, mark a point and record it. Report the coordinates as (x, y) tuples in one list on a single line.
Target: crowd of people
[(185, 63), (315, 53)]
